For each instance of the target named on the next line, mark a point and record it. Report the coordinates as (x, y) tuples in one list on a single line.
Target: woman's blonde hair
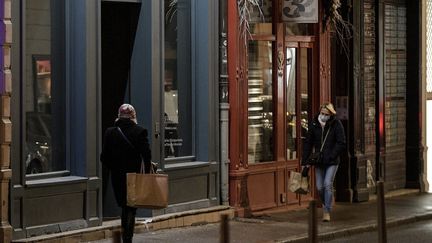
[(328, 106)]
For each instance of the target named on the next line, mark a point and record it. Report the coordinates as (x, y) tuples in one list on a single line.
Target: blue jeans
[(324, 176)]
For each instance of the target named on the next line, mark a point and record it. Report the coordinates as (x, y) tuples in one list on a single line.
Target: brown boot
[(326, 217)]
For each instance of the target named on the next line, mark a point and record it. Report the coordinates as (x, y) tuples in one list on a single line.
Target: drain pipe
[(223, 102)]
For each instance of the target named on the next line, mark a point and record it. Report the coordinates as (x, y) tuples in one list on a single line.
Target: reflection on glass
[(177, 83), (44, 87), (298, 29), (291, 102), (265, 15), (261, 29), (306, 75), (260, 102)]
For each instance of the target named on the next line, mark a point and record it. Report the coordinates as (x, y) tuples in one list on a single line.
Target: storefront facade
[(75, 63), (278, 75), (386, 97), (5, 124)]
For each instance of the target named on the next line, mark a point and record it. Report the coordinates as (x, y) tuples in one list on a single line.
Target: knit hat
[(126, 111), (328, 106)]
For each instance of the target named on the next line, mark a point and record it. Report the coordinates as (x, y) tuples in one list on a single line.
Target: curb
[(326, 236), (109, 229)]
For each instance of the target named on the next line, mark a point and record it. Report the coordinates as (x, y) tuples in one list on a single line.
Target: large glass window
[(178, 79), (260, 102), (291, 80), (298, 79), (44, 86)]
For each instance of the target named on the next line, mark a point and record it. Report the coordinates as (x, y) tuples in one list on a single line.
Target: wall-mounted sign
[(300, 11)]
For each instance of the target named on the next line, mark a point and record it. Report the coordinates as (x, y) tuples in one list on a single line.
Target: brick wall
[(5, 121)]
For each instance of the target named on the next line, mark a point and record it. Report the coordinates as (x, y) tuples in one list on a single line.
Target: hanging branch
[(245, 7), (341, 27), (171, 11)]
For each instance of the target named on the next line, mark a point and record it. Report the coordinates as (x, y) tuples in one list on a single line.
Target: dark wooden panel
[(292, 198), (16, 219), (52, 209), (94, 183), (202, 177), (188, 189), (93, 202), (55, 189), (395, 175), (262, 190), (212, 186), (282, 184)]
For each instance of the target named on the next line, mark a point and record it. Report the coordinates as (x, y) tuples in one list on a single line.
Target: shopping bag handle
[(142, 169)]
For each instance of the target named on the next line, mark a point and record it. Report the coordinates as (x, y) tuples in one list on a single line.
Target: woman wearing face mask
[(325, 134)]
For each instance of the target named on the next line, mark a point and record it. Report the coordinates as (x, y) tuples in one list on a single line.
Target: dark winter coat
[(121, 158), (334, 145)]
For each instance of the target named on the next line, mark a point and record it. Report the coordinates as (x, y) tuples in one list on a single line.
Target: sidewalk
[(292, 226)]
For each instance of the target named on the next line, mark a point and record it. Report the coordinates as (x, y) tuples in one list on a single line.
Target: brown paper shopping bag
[(298, 183), (147, 190)]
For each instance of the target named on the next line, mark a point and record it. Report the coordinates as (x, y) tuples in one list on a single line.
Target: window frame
[(172, 161), (20, 43)]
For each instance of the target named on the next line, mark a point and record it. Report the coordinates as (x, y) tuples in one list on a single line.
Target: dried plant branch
[(244, 9), (171, 11), (341, 27)]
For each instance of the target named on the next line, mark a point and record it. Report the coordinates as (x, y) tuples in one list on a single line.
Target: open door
[(298, 81), (118, 27)]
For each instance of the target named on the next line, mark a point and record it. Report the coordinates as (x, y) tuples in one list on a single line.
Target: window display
[(260, 102)]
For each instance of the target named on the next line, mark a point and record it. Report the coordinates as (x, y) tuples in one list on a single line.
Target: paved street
[(408, 233), (241, 231), (410, 212)]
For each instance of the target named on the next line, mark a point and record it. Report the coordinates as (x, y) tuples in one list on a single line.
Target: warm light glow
[(429, 142), (428, 114)]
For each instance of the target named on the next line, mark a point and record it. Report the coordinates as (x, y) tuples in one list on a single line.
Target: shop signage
[(300, 11)]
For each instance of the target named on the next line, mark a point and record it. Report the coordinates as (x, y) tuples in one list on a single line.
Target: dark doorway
[(119, 25)]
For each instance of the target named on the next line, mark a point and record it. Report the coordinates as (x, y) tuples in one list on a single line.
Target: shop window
[(298, 76), (177, 97), (43, 86), (260, 102)]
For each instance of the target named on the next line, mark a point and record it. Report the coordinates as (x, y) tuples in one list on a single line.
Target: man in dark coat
[(325, 134), (124, 147)]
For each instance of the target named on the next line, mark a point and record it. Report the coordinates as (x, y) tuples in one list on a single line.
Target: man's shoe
[(326, 217)]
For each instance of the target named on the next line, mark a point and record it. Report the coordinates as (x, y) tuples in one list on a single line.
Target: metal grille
[(395, 73), (429, 48), (369, 74)]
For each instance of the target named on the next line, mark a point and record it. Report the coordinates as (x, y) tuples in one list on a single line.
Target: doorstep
[(108, 228)]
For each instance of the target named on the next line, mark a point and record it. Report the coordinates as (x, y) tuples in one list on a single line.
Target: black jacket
[(121, 158), (334, 145)]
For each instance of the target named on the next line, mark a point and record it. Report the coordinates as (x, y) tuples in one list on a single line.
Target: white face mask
[(323, 118)]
